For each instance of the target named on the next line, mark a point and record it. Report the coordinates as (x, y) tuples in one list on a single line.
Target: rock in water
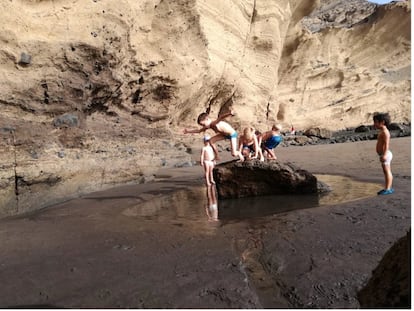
[(252, 178)]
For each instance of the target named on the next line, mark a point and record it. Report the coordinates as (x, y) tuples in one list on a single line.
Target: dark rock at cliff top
[(252, 178), (339, 14)]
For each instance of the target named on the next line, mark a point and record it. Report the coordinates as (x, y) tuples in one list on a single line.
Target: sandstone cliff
[(96, 92)]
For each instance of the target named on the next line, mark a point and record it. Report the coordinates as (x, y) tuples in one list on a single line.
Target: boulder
[(252, 178), (66, 120), (362, 129), (319, 132), (389, 286)]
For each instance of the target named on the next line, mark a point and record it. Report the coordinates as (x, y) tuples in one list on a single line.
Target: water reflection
[(180, 204), (181, 208), (265, 205), (195, 203), (212, 207), (344, 189)]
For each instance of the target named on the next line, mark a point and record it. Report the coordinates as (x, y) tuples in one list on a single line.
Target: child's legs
[(233, 145), (211, 174), (260, 154), (217, 138), (272, 154), (214, 139), (234, 151), (206, 172), (386, 168)]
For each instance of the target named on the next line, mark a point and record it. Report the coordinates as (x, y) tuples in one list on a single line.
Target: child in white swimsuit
[(207, 160), (381, 121)]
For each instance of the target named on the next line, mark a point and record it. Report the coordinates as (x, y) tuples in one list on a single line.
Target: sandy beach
[(153, 246)]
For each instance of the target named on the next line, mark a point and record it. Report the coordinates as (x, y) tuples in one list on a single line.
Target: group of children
[(254, 144)]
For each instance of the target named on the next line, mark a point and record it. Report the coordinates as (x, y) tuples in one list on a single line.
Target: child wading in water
[(381, 121), (207, 160), (223, 129)]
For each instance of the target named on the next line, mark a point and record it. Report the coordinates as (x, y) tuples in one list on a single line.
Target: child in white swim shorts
[(207, 160), (381, 121)]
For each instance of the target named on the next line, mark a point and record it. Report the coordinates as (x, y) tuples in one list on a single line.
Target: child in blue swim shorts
[(222, 129), (270, 140)]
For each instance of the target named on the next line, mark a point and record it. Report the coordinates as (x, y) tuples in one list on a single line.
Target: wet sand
[(138, 247)]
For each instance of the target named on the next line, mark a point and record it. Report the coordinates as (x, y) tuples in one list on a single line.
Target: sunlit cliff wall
[(96, 92)]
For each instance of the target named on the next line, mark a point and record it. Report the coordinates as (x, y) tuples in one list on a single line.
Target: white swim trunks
[(209, 163), (388, 158)]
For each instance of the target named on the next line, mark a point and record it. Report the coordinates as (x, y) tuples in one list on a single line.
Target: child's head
[(203, 119), (246, 151), (206, 139), (276, 127), (248, 133), (380, 117)]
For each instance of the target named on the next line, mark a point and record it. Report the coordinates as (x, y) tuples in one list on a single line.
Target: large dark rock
[(389, 286), (252, 178)]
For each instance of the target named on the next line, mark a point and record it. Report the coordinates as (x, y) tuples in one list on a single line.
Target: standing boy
[(207, 160), (381, 121), (222, 129)]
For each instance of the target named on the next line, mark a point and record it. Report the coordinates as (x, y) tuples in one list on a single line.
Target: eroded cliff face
[(96, 93), (349, 67)]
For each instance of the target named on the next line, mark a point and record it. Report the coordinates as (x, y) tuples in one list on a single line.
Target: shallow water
[(200, 203)]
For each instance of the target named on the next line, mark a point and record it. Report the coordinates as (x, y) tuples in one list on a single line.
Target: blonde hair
[(248, 133)]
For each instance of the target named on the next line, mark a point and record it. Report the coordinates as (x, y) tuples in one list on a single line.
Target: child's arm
[(265, 136), (259, 139), (386, 141), (385, 144), (241, 143), (256, 147), (202, 157), (195, 131)]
